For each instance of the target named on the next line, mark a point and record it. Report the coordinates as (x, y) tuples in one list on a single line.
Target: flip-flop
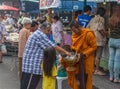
[(99, 73), (116, 81), (111, 79)]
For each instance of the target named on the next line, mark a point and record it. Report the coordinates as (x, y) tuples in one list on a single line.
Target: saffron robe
[(84, 42)]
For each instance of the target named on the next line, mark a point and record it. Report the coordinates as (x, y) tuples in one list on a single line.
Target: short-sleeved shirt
[(33, 54), (61, 71), (49, 81), (23, 37), (84, 19), (97, 24), (57, 28)]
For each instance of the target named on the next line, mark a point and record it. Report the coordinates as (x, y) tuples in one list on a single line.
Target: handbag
[(3, 49)]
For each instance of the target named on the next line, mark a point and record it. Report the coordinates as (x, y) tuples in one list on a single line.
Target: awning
[(6, 7)]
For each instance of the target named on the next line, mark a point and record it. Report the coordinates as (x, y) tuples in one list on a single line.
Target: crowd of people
[(42, 39)]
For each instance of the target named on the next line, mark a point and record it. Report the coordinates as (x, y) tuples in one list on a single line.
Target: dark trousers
[(29, 81), (20, 68)]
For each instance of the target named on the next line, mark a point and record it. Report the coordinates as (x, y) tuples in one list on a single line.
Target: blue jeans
[(114, 58)]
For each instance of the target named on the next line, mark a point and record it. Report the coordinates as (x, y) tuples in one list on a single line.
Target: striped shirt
[(33, 54)]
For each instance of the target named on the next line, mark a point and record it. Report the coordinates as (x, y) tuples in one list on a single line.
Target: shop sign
[(45, 4)]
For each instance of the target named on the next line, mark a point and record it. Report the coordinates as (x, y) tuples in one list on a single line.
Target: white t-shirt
[(57, 28)]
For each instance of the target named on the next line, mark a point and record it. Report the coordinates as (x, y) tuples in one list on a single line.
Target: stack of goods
[(11, 43), (13, 37), (9, 28)]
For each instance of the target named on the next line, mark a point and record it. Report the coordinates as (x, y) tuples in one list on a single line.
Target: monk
[(83, 41)]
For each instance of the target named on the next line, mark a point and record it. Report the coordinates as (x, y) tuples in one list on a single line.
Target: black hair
[(87, 8), (67, 48), (34, 23), (49, 8), (77, 13), (56, 17), (49, 60), (101, 11), (75, 24)]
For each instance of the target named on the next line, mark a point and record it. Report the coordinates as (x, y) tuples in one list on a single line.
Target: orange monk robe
[(72, 82), (85, 42)]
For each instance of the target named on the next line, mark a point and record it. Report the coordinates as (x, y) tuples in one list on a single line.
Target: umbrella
[(6, 7)]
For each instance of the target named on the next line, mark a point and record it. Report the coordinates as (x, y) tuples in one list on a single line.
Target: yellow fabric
[(49, 82), (85, 42), (48, 18)]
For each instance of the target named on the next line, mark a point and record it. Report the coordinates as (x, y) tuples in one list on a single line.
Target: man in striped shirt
[(33, 56)]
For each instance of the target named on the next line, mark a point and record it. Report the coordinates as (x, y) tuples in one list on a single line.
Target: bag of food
[(3, 49)]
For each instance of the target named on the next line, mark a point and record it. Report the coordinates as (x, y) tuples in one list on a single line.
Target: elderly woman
[(23, 36)]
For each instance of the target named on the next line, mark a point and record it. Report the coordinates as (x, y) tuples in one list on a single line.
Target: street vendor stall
[(11, 42)]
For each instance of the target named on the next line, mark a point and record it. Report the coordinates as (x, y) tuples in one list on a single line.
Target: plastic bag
[(3, 49)]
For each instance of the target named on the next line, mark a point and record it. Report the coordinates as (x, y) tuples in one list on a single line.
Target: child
[(72, 80), (49, 69)]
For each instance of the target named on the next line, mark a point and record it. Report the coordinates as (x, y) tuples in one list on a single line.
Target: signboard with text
[(45, 4)]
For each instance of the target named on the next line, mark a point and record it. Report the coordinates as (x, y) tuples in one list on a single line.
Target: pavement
[(9, 78)]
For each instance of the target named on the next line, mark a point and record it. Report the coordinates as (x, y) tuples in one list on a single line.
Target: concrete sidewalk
[(10, 79)]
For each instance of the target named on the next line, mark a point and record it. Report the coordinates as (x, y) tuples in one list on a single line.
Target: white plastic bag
[(3, 49)]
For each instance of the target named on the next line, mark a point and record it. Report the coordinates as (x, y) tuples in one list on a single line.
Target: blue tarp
[(75, 5), (33, 7), (30, 6)]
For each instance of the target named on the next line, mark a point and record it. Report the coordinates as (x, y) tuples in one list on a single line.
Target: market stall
[(11, 42)]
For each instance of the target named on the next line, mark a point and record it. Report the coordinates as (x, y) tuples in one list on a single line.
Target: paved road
[(10, 79)]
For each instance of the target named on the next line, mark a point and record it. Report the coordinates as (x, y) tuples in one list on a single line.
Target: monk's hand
[(78, 57)]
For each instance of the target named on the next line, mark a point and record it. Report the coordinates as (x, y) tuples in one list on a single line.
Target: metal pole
[(85, 2)]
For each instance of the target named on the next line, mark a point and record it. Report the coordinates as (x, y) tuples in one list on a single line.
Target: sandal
[(116, 81), (1, 62), (99, 73)]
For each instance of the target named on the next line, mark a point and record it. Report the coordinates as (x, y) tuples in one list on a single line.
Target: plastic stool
[(59, 81)]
